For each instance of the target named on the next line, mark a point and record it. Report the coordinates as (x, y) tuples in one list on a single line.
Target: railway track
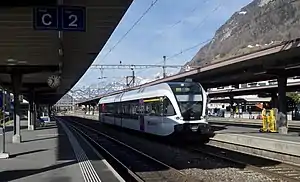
[(277, 170), (248, 163), (132, 164)]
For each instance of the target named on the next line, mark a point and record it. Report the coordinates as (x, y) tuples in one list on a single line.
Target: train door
[(153, 115), (141, 115), (102, 114), (121, 113), (117, 112)]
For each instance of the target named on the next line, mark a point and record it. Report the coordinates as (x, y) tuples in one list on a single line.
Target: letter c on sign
[(47, 23)]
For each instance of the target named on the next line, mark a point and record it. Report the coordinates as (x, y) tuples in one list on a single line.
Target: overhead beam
[(27, 69), (28, 85), (22, 3)]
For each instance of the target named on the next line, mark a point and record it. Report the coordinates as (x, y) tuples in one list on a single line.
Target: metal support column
[(245, 106), (3, 153), (31, 125), (274, 100), (37, 110), (49, 112), (16, 83), (231, 106), (164, 67), (133, 77), (281, 120)]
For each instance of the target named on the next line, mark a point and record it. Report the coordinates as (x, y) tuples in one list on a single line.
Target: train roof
[(143, 92)]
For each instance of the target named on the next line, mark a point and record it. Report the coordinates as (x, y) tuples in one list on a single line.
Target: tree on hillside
[(294, 96)]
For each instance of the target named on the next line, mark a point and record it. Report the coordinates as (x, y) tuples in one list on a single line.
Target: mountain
[(103, 87), (260, 24)]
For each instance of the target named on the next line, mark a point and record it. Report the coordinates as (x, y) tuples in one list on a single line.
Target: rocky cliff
[(260, 24)]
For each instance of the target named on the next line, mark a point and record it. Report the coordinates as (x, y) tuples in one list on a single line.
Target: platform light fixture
[(11, 60), (11, 64)]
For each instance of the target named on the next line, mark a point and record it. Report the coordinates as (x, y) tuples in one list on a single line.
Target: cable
[(198, 25), (195, 46), (182, 20), (205, 18), (131, 28), (188, 49)]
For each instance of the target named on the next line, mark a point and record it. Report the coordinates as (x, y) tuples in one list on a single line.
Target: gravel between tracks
[(199, 165)]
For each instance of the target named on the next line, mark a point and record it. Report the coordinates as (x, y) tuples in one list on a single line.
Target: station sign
[(63, 18), (73, 18), (45, 18)]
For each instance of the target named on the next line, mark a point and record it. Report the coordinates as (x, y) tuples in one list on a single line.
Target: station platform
[(53, 153), (285, 148), (245, 122), (242, 138)]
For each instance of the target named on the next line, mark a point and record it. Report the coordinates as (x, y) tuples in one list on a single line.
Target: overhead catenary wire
[(208, 15), (197, 26), (178, 22), (207, 41), (130, 29), (182, 20), (203, 42)]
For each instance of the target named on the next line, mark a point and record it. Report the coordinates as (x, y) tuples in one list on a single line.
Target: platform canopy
[(37, 54)]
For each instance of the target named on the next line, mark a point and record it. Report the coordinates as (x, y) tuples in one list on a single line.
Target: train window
[(168, 107), (153, 107), (262, 84), (244, 85), (129, 109), (126, 108), (185, 88), (118, 107)]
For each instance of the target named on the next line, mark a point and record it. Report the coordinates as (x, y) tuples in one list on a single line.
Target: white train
[(163, 109)]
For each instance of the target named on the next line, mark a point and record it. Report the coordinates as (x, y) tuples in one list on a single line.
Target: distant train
[(173, 108)]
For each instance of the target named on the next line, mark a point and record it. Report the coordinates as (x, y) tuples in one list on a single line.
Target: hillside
[(260, 24)]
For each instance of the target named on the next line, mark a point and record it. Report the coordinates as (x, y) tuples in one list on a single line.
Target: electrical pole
[(164, 67), (133, 77)]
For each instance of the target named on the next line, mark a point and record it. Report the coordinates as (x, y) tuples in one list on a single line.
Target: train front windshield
[(190, 99)]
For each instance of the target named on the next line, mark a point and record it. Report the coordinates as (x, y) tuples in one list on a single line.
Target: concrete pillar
[(281, 120), (16, 84)]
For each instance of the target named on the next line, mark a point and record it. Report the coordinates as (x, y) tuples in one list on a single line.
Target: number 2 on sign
[(73, 22)]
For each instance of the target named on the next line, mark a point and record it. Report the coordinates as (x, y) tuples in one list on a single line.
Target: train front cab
[(191, 102)]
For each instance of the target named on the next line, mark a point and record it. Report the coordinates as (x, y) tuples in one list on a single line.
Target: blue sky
[(169, 27)]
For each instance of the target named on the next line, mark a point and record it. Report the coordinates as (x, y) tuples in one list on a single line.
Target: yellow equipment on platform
[(272, 121), (268, 120), (264, 121)]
